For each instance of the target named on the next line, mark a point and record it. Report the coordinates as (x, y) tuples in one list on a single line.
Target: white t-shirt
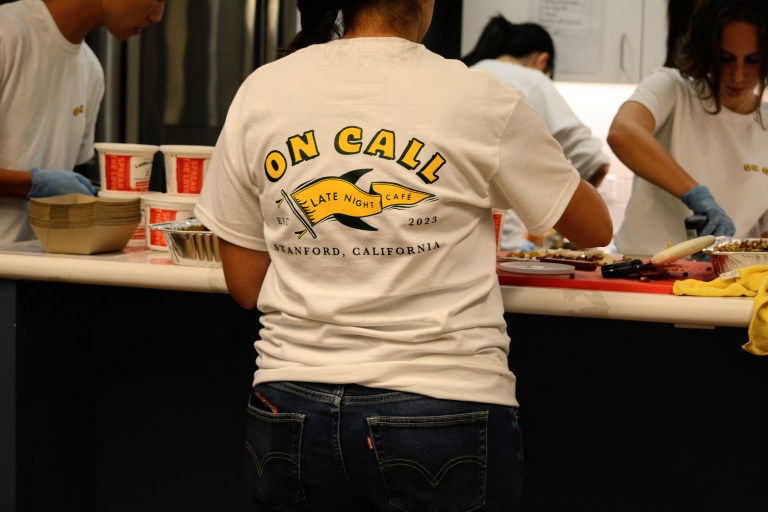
[(727, 152), (579, 145), (368, 169), (50, 93)]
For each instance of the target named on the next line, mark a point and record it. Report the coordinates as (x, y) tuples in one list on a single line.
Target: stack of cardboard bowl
[(81, 224)]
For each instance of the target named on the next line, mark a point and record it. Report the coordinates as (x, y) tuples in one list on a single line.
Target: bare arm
[(631, 139), (599, 175), (595, 180), (586, 220), (244, 271), (15, 183)]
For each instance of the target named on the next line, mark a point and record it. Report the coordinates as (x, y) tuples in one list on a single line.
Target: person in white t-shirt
[(51, 87), (522, 55), (695, 136), (351, 189)]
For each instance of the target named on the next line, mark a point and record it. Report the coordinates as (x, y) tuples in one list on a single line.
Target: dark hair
[(320, 19), (699, 55), (318, 24), (501, 37), (678, 17)]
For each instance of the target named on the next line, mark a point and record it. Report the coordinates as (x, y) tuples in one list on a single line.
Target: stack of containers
[(185, 168), (125, 171), (81, 224)]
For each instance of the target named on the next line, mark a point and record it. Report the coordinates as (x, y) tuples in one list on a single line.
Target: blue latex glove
[(701, 202), (47, 183)]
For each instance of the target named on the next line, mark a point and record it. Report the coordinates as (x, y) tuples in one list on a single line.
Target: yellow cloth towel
[(751, 282)]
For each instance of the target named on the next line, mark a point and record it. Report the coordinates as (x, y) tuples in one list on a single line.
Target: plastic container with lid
[(185, 168), (165, 208), (125, 167)]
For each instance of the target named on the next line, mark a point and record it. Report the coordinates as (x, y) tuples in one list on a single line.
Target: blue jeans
[(337, 448)]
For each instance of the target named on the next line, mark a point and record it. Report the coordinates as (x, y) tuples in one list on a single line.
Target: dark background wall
[(444, 36)]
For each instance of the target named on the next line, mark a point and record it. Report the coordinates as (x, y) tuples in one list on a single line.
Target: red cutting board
[(655, 282)]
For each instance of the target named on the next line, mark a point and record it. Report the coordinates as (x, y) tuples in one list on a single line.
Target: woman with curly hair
[(695, 135)]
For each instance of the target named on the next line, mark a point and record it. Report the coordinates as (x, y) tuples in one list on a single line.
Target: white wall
[(607, 41), (596, 104)]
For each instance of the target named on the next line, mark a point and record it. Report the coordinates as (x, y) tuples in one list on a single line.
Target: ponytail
[(318, 24), (492, 42), (501, 37)]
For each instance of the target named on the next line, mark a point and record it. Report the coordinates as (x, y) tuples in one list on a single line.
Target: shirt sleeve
[(658, 93), (229, 203), (534, 177)]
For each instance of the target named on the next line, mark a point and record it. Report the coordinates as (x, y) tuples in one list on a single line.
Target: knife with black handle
[(624, 268)]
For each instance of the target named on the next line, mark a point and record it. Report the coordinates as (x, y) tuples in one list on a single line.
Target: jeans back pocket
[(435, 463), (273, 455)]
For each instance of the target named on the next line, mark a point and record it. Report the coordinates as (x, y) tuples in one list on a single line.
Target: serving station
[(124, 381)]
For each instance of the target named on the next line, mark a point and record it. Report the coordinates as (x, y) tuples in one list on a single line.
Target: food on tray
[(732, 254), (595, 256), (193, 227), (190, 243), (742, 245)]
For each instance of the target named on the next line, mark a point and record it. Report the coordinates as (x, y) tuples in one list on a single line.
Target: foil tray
[(731, 254), (190, 243)]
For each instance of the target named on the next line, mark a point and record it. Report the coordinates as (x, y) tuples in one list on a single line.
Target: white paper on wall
[(576, 27)]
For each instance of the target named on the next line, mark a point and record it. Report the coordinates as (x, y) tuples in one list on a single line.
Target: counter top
[(142, 268), (134, 266)]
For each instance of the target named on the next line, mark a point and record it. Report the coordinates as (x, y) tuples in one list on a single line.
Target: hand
[(55, 183), (701, 202)]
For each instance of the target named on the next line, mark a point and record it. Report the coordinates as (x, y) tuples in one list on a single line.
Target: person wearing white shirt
[(352, 189), (696, 137), (522, 56), (51, 88)]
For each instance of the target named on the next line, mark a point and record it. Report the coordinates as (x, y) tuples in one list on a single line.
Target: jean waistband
[(346, 393)]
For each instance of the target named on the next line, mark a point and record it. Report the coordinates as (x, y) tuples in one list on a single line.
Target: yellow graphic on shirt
[(755, 168), (338, 198)]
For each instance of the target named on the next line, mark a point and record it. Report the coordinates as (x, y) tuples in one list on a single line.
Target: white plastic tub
[(185, 168), (125, 167), (165, 208)]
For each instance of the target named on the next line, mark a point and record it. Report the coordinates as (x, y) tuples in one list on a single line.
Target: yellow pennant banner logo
[(328, 196), (341, 199)]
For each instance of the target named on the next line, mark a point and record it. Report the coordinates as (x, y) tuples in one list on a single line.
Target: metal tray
[(730, 254), (190, 243)]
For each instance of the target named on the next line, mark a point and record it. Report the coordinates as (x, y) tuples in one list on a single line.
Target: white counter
[(141, 268), (135, 267)]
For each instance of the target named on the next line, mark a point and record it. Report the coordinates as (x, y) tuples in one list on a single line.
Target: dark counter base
[(131, 399), (631, 416)]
